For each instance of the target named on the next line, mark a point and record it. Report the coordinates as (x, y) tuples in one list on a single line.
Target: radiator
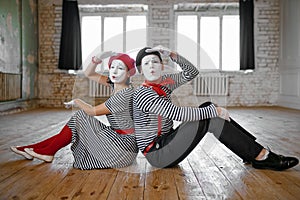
[(211, 85), (10, 86), (98, 90)]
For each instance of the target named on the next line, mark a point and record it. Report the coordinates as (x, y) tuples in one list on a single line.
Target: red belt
[(147, 149), (125, 131), (158, 134)]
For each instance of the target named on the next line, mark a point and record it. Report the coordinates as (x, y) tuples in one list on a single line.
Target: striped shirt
[(96, 145), (147, 105), (120, 107)]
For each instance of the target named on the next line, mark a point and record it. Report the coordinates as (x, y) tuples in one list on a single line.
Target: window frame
[(104, 15), (103, 12)]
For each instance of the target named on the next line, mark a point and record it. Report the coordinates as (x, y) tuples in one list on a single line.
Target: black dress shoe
[(275, 162)]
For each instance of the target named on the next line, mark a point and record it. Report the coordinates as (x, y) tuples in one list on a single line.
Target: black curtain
[(70, 41), (246, 35)]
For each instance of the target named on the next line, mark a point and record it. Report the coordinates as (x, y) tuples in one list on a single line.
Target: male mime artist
[(154, 114)]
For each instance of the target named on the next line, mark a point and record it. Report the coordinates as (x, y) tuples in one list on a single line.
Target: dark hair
[(141, 54), (128, 82)]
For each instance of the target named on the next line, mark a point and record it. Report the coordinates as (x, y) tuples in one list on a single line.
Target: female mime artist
[(95, 145), (154, 113)]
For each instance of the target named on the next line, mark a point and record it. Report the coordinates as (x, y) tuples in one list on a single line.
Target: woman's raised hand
[(105, 54)]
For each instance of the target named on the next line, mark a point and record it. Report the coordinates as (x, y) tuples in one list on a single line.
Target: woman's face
[(118, 72), (152, 67)]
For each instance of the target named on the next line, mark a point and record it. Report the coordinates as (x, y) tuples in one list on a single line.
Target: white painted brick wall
[(259, 88)]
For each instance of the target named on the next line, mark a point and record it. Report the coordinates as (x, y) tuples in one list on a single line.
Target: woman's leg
[(58, 141), (40, 145), (55, 143)]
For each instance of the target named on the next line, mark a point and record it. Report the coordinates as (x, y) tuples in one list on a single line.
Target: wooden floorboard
[(211, 171)]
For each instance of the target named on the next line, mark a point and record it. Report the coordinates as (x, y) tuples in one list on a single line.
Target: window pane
[(231, 42), (136, 37), (135, 22), (91, 34), (209, 42), (187, 37), (113, 34), (187, 25)]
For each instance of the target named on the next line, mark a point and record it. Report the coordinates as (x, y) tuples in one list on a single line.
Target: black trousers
[(170, 149)]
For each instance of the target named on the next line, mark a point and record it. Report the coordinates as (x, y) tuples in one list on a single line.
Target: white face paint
[(152, 67), (118, 72)]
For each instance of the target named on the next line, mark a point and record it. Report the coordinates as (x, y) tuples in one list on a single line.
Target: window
[(118, 28), (208, 35), (231, 42), (90, 34), (210, 42)]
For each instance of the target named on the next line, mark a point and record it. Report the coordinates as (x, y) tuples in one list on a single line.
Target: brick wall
[(260, 87), (55, 86)]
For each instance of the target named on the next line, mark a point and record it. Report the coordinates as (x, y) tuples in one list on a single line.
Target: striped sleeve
[(151, 102), (115, 103), (189, 71)]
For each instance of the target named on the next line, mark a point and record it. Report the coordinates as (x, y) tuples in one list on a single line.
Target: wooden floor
[(210, 172)]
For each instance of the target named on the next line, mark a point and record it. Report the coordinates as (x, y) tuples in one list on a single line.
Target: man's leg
[(232, 137), (247, 148), (171, 149)]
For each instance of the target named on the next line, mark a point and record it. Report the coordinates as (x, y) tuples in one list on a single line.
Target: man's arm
[(148, 101), (189, 71)]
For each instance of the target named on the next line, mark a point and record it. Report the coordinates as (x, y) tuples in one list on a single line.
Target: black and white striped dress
[(147, 105), (96, 145)]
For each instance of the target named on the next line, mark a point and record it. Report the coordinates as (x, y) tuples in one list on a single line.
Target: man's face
[(118, 72), (152, 67)]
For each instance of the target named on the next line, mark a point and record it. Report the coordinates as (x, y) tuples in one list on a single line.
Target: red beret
[(129, 62)]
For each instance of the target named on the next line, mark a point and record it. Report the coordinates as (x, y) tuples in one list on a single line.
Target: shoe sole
[(39, 156), (275, 169), (22, 153)]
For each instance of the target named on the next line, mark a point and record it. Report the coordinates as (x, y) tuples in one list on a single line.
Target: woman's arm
[(91, 74), (90, 71), (92, 110)]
